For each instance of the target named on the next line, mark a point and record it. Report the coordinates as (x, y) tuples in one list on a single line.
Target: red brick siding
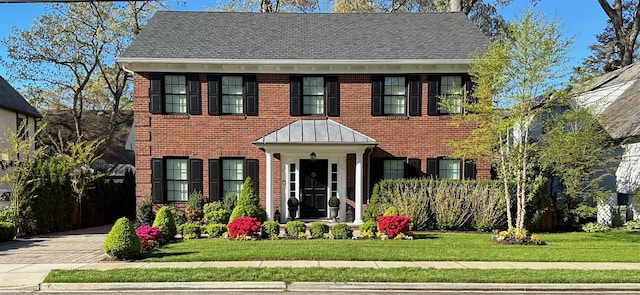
[(209, 137)]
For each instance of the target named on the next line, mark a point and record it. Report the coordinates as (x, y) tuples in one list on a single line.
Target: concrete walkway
[(25, 263)]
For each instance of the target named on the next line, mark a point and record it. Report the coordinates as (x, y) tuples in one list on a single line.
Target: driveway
[(78, 246)]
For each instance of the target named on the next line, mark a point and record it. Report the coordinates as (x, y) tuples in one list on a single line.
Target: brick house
[(308, 105)]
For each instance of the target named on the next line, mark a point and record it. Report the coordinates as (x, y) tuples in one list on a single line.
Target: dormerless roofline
[(292, 61)]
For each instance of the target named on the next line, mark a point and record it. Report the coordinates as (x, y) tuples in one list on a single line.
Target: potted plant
[(334, 204), (292, 204)]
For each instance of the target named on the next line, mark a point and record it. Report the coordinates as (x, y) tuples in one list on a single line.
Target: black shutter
[(193, 94), (155, 93), (333, 97), (469, 85), (433, 91), (195, 175), (214, 180), (295, 96), (251, 170), (413, 168), (469, 169), (375, 171), (250, 95), (157, 181), (432, 168), (213, 94), (377, 96), (415, 96)]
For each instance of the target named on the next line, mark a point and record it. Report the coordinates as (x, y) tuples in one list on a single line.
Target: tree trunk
[(625, 37), (505, 182), (455, 5)]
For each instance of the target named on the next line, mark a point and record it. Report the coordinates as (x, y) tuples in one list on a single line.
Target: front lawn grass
[(615, 246), (406, 275)]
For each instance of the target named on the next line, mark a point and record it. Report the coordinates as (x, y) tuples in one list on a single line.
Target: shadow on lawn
[(162, 255), (424, 236)]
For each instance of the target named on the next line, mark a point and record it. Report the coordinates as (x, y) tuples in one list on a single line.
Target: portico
[(313, 157)]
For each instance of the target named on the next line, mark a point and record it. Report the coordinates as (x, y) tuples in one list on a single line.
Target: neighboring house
[(14, 111), (115, 158), (615, 98), (308, 105)]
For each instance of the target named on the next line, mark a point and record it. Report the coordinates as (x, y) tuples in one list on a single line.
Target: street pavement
[(25, 263)]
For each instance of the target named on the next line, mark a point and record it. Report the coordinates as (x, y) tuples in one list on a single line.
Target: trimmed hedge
[(318, 229), (122, 241), (295, 228), (166, 223), (342, 231)]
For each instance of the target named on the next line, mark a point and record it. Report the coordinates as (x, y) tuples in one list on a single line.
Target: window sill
[(233, 117), (395, 117), (176, 116), (314, 117)]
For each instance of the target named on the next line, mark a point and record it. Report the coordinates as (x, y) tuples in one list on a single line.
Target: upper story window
[(232, 99), (446, 168), (174, 94), (447, 94), (396, 96), (232, 95), (314, 96)]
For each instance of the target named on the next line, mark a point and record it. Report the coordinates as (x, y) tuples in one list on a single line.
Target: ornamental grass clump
[(244, 228), (392, 225), (166, 223), (122, 241), (514, 236), (150, 237)]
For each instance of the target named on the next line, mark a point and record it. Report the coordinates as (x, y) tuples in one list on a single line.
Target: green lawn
[(616, 246), (413, 275)]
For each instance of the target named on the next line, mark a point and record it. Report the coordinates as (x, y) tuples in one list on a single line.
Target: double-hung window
[(174, 93), (232, 99), (232, 175), (232, 95), (174, 178), (395, 91), (448, 93), (396, 96), (393, 169), (314, 96), (447, 168), (177, 180)]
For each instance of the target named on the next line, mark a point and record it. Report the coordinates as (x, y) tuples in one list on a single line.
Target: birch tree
[(511, 78)]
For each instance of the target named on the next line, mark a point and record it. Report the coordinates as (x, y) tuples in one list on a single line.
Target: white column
[(269, 186), (359, 175)]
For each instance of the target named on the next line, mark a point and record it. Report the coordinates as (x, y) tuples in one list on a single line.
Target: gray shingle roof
[(11, 100), (313, 36), (615, 97), (316, 132)]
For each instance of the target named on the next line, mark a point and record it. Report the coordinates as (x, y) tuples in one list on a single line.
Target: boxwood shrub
[(318, 229), (166, 223), (216, 230), (7, 231), (122, 241), (294, 228), (342, 231)]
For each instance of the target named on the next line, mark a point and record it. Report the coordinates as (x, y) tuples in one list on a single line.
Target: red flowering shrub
[(392, 225), (150, 237), (245, 227)]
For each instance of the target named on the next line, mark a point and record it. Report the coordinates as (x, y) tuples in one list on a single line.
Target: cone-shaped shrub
[(248, 204), (166, 223), (122, 241)]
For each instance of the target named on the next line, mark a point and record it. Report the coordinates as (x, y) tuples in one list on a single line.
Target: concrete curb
[(227, 286), (341, 287)]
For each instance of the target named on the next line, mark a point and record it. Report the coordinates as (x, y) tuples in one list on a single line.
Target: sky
[(582, 20)]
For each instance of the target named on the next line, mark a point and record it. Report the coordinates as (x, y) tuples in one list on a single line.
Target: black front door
[(314, 188)]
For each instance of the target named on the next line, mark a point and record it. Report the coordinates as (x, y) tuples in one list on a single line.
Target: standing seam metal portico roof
[(316, 132)]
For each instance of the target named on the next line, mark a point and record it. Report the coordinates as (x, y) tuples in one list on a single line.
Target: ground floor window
[(177, 180), (449, 168), (393, 169), (232, 175)]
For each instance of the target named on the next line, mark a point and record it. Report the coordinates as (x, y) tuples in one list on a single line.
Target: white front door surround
[(290, 156)]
